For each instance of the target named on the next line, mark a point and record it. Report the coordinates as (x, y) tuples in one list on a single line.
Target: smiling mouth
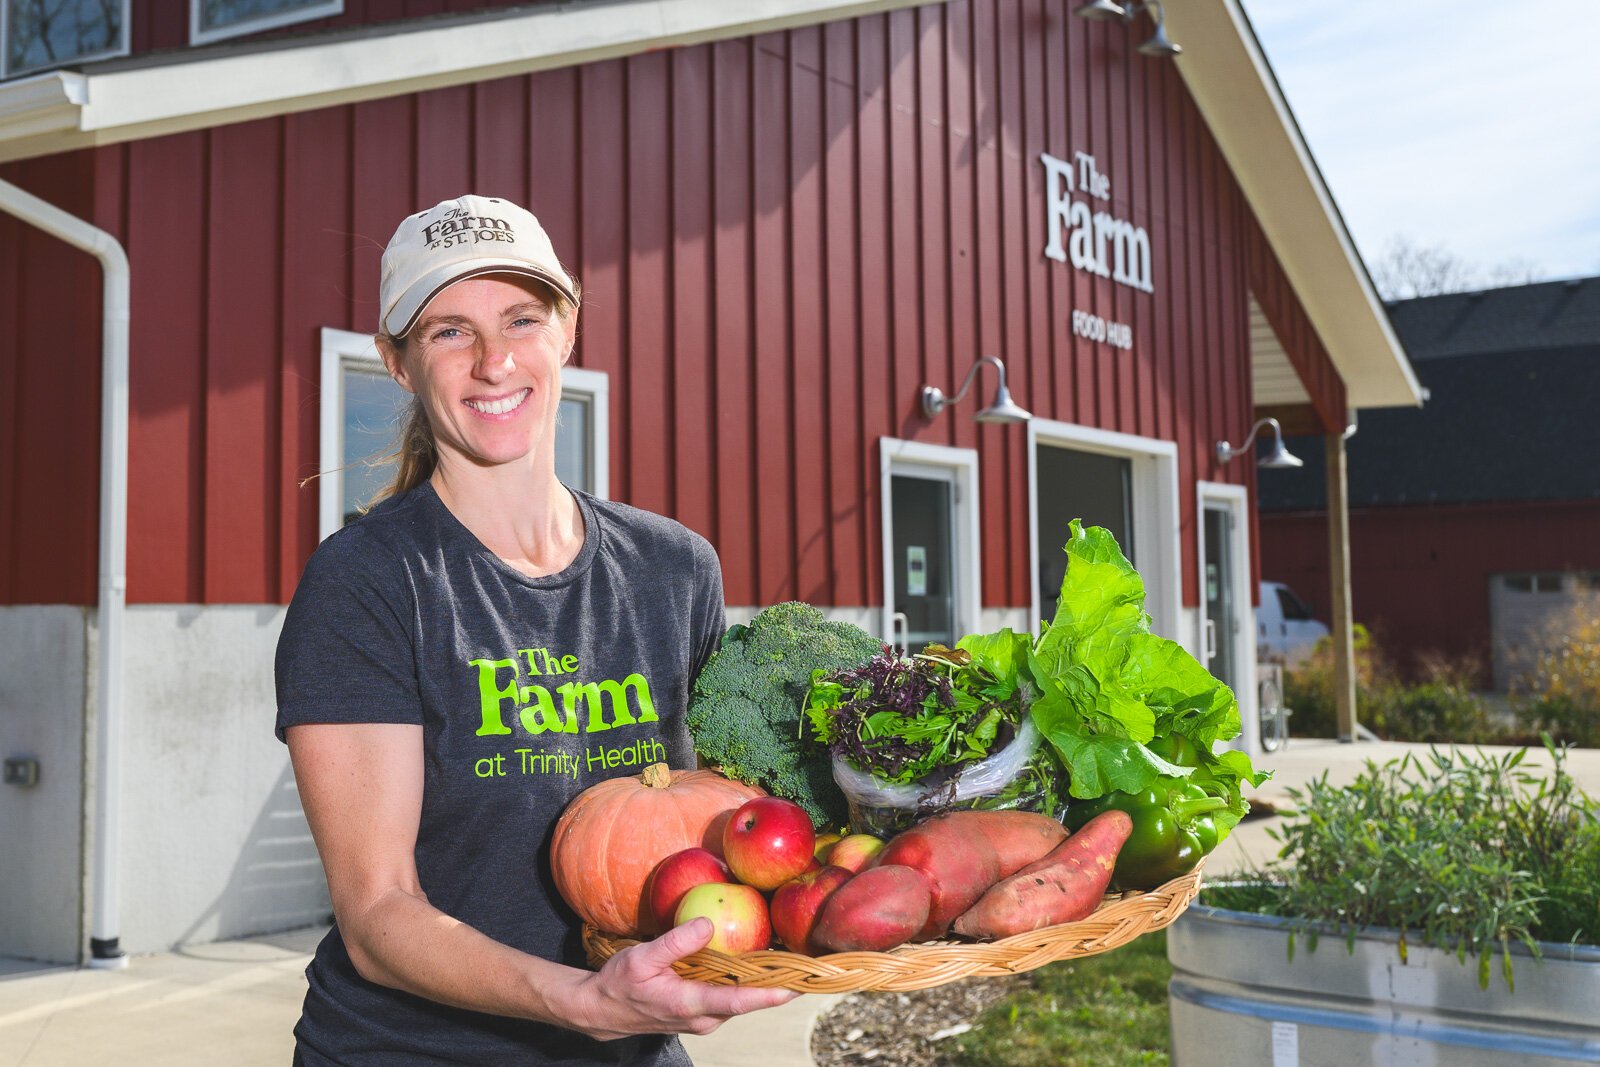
[(503, 406)]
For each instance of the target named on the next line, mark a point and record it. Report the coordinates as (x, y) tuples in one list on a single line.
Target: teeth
[(501, 406)]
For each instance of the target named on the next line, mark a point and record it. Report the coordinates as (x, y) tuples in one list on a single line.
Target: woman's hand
[(638, 992)]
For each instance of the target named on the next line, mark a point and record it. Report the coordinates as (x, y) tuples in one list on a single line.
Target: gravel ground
[(904, 1029)]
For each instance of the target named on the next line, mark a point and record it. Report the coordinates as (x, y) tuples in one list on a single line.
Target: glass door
[(1221, 636), (1074, 484), (923, 558)]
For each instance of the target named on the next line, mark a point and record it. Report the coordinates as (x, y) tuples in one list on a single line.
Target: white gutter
[(104, 951)]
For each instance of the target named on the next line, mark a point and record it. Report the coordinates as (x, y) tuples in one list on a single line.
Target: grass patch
[(1101, 1011)]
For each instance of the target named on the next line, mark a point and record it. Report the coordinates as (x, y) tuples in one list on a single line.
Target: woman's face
[(485, 360)]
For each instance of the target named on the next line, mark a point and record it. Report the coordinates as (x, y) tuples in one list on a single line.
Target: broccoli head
[(746, 710)]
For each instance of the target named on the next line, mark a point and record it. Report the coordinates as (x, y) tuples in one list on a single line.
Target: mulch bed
[(904, 1029)]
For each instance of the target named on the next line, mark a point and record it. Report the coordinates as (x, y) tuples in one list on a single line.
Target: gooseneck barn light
[(1003, 410), (1278, 457), (1158, 45)]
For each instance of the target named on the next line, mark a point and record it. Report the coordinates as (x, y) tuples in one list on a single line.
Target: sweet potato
[(1019, 837), (959, 862), (874, 911), (1063, 887)]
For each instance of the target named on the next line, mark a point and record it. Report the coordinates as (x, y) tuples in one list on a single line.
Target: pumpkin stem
[(658, 776)]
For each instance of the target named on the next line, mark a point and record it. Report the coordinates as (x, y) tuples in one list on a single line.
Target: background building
[(1475, 520)]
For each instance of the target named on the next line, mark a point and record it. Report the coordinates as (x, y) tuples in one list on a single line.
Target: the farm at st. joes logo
[(559, 704), (458, 228)]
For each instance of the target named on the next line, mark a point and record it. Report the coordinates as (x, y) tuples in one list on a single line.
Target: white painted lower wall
[(214, 843), (43, 656)]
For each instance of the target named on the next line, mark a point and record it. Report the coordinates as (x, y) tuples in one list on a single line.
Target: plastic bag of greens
[(1020, 776)]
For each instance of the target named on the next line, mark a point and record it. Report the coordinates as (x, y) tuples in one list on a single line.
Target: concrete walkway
[(235, 1002)]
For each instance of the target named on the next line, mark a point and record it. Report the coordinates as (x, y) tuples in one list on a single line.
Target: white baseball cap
[(459, 239)]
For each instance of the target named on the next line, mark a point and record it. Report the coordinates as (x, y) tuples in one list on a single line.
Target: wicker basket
[(1118, 920)]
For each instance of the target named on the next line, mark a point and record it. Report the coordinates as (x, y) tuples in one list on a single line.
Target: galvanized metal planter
[(1237, 998)]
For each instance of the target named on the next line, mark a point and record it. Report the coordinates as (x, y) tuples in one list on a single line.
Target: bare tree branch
[(1407, 269)]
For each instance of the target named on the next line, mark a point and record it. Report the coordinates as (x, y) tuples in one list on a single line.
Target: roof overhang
[(1228, 76), (123, 100)]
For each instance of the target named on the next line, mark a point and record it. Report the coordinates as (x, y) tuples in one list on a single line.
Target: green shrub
[(1308, 687), (1562, 695), (1442, 706), (1468, 854), (1574, 721)]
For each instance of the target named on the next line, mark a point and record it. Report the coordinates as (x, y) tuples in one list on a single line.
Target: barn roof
[(1512, 375)]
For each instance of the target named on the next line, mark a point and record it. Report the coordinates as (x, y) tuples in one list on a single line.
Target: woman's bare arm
[(361, 787)]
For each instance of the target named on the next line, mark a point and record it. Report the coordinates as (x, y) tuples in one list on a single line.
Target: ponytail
[(415, 456)]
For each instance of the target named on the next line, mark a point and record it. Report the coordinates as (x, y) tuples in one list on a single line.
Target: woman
[(454, 668)]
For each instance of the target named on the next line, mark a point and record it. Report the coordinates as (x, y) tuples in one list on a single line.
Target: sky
[(1468, 124)]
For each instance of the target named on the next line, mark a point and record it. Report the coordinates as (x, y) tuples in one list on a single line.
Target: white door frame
[(1155, 514), (1236, 498), (960, 467)]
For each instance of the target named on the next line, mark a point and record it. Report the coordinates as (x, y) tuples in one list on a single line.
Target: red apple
[(675, 876), (738, 912), (796, 903), (824, 843), (768, 841), (855, 852)]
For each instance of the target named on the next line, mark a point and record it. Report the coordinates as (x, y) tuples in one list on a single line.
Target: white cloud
[(1470, 124)]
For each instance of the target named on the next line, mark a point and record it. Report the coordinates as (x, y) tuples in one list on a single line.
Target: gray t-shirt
[(528, 691)]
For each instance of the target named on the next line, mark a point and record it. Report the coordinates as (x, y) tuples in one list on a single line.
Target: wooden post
[(1344, 660)]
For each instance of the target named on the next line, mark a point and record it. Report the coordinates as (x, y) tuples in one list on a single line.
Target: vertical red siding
[(813, 565), (650, 292), (781, 239), (167, 390), (241, 336), (873, 197), (773, 352), (693, 427), (316, 248), (49, 396), (838, 415)]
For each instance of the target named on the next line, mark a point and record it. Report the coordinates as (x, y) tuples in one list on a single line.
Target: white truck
[(1285, 630)]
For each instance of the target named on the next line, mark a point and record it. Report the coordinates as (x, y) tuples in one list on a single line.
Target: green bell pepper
[(1173, 829)]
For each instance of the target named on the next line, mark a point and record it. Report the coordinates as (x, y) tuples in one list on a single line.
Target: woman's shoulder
[(372, 544), (645, 533)]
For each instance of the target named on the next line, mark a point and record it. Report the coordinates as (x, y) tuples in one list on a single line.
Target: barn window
[(362, 412), (40, 34), (213, 20), (1544, 582)]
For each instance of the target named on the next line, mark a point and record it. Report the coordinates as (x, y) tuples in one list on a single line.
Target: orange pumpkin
[(614, 833)]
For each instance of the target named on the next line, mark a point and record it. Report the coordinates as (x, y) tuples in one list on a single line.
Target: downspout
[(103, 936)]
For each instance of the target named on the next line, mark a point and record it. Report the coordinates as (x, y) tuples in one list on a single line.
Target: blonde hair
[(415, 456)]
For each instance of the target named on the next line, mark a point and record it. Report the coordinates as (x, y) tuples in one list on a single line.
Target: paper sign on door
[(916, 570)]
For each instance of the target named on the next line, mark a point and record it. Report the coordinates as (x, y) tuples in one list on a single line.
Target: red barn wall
[(781, 240), (1419, 576)]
